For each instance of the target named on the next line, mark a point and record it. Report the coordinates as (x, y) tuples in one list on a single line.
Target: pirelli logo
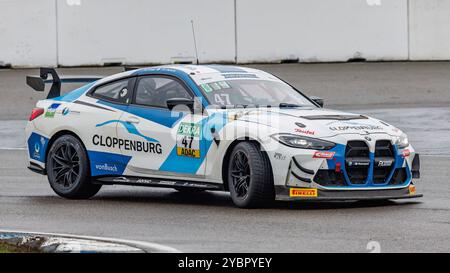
[(306, 193), (188, 152)]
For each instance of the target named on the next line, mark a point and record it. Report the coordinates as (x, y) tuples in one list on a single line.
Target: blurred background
[(115, 32)]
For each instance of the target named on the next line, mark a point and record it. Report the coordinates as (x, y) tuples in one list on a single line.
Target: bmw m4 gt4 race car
[(212, 127)]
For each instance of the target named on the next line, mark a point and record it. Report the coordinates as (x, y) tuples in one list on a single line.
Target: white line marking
[(12, 149)]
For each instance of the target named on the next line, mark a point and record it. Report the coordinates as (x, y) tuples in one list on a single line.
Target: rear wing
[(38, 82)]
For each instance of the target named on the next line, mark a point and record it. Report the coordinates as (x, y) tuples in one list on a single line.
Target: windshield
[(259, 93)]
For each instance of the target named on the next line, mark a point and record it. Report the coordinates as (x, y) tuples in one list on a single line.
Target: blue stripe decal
[(75, 94), (181, 164), (37, 147), (130, 128), (160, 116), (107, 163)]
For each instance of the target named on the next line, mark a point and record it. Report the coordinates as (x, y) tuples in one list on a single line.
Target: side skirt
[(156, 182)]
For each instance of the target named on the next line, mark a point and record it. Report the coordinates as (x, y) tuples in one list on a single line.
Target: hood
[(313, 122)]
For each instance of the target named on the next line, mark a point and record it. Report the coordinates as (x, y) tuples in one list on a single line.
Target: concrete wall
[(27, 33), (429, 29), (97, 32), (326, 30), (143, 31)]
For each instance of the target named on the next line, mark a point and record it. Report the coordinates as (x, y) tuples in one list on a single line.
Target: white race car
[(212, 127)]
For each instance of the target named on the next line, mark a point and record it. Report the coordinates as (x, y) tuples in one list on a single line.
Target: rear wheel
[(250, 178), (68, 169)]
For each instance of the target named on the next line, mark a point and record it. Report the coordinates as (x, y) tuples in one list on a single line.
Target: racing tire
[(250, 178), (68, 169)]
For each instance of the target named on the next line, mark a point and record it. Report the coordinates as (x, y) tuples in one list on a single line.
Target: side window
[(115, 92), (155, 91)]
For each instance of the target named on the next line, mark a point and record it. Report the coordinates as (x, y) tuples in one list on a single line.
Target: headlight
[(303, 142), (402, 141)]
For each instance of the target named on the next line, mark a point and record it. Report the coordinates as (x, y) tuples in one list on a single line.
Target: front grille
[(357, 161), (361, 167), (384, 161), (329, 178), (399, 178)]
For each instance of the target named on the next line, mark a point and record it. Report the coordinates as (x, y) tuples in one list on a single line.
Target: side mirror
[(174, 102), (317, 100)]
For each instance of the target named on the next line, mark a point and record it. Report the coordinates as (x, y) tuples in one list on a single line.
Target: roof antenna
[(195, 41)]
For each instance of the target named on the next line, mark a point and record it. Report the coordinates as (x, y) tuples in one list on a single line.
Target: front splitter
[(283, 194)]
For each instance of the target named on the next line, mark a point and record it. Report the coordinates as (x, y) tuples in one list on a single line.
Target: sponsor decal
[(126, 144), (37, 151), (305, 132), (106, 167), (406, 153), (327, 155), (215, 86), (121, 179), (308, 193), (206, 88), (167, 183), (52, 110), (279, 156), (65, 111), (189, 129), (144, 181), (368, 138), (412, 189), (123, 93), (188, 140), (239, 76), (356, 128), (358, 163), (188, 152), (384, 163), (37, 145), (301, 125), (236, 116), (224, 85)]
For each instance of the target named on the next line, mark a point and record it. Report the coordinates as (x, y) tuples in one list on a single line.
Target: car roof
[(199, 73)]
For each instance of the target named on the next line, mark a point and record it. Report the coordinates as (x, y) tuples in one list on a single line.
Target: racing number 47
[(187, 143)]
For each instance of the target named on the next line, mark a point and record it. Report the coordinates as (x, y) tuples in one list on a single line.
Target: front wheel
[(250, 178), (68, 169)]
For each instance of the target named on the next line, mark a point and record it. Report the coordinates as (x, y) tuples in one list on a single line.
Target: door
[(159, 141), (101, 114)]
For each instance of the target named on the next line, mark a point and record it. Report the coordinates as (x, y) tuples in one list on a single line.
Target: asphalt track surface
[(413, 96)]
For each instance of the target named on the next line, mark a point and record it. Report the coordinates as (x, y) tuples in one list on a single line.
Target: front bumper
[(284, 193)]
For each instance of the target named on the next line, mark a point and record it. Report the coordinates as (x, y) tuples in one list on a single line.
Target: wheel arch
[(229, 150), (57, 135)]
